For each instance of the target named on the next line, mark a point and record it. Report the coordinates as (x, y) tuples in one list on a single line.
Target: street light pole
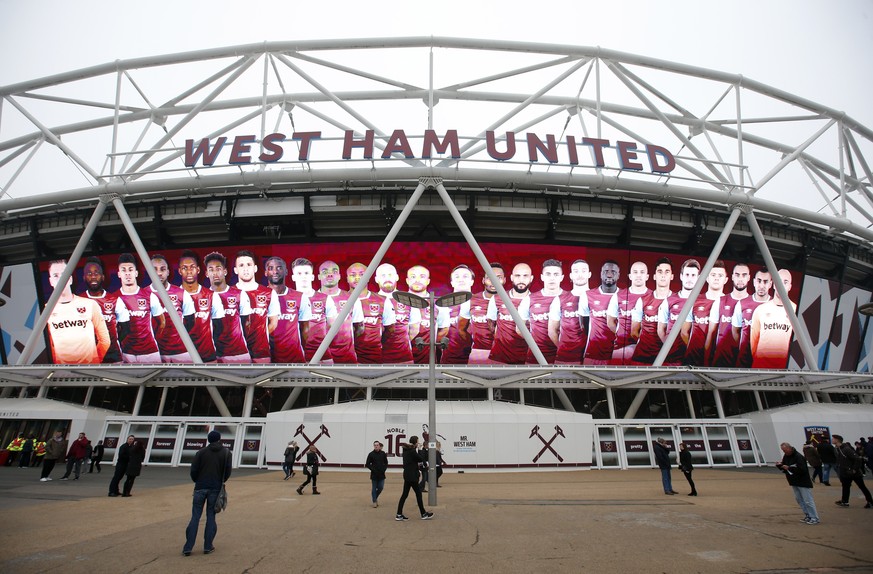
[(451, 300), (431, 409)]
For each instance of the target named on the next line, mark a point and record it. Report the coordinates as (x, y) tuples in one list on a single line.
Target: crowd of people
[(738, 320)]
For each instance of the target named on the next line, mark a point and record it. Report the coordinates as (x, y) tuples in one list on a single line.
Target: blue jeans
[(203, 497), (665, 479), (378, 486), (804, 499), (826, 472)]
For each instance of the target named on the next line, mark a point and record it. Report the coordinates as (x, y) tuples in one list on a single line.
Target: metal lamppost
[(419, 302)]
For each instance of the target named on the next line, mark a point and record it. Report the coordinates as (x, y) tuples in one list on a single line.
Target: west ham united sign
[(627, 155)]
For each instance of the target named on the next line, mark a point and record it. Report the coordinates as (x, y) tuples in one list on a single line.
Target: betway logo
[(539, 316), (66, 324), (776, 327)]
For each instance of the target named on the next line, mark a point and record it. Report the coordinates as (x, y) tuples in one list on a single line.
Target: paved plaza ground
[(592, 521)]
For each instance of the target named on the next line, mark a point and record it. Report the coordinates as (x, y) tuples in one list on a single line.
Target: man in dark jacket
[(797, 472), (377, 462), (662, 458), (97, 456), (850, 471), (130, 457), (209, 471)]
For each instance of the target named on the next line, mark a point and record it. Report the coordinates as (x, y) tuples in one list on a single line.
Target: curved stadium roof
[(120, 130)]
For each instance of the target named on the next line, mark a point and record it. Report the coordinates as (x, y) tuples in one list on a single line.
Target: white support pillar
[(690, 403), (336, 393), (758, 400), (88, 394), (65, 276), (800, 332), (138, 402), (218, 400), (635, 404), (610, 403), (157, 286), (248, 400), (42, 392), (504, 296), (718, 406), (163, 402), (490, 393), (371, 268), (292, 398), (698, 287)]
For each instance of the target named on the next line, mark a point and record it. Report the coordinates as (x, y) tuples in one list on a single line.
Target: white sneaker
[(43, 479), (48, 478)]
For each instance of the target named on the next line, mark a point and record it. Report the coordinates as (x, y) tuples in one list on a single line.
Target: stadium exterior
[(445, 144)]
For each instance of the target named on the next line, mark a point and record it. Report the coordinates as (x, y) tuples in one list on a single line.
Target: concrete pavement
[(597, 521)]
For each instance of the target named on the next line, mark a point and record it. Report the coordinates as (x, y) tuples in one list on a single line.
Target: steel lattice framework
[(114, 134)]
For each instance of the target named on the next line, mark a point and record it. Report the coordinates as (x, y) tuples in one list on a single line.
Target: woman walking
[(290, 456), (310, 470), (412, 462), (686, 466)]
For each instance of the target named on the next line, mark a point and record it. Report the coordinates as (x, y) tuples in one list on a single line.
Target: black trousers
[(120, 471), (407, 485), (688, 478), (847, 487)]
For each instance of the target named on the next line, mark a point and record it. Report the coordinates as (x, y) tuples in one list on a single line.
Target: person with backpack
[(850, 471), (210, 469)]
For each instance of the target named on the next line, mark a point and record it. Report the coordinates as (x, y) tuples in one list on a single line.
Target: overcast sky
[(818, 50)]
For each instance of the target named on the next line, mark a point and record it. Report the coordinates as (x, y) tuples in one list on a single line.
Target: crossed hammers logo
[(547, 445), (312, 442)]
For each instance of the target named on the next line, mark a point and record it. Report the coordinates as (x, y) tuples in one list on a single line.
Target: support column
[(292, 398), (698, 287), (490, 393), (610, 402), (157, 285), (718, 406), (825, 397), (371, 268), (504, 296), (42, 392), (635, 404), (758, 400), (218, 400), (37, 331), (88, 394), (800, 332), (336, 393), (163, 402), (690, 403), (248, 400), (138, 402)]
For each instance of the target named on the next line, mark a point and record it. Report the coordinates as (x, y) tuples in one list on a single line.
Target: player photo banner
[(275, 304)]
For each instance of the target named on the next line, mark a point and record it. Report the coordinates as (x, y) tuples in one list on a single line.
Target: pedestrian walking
[(97, 456), (76, 456), (377, 462), (310, 470), (850, 471), (290, 457), (412, 465)]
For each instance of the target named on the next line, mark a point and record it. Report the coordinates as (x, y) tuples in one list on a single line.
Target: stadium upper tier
[(326, 140)]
